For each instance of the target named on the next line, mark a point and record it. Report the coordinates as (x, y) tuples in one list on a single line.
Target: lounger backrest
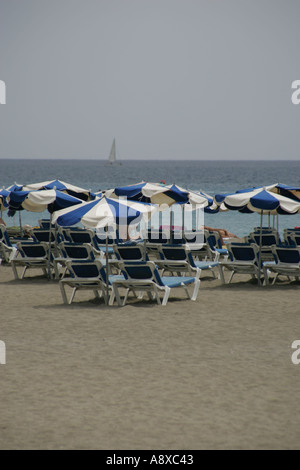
[(139, 270), (176, 253), (84, 269), (173, 253), (213, 239), (242, 252), (41, 235), (268, 239), (286, 255), (81, 236), (77, 250), (142, 270), (33, 250), (130, 253)]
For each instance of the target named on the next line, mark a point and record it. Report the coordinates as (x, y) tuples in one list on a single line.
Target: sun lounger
[(31, 255), (267, 240), (143, 276), (243, 258), (88, 275), (73, 251), (131, 252), (43, 235), (213, 239), (286, 263), (179, 259)]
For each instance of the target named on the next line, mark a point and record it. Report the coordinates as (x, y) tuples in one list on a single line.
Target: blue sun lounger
[(243, 259), (179, 259), (32, 255), (286, 263), (143, 276), (88, 275)]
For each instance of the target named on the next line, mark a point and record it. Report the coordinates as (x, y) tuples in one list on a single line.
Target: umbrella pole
[(171, 225), (20, 224), (260, 248), (107, 269), (183, 214), (49, 255)]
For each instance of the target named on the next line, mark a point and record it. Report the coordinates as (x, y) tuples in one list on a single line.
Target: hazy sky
[(169, 79)]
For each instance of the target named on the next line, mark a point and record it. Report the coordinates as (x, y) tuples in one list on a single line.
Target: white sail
[(112, 155)]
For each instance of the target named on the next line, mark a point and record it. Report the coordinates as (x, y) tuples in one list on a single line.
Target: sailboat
[(113, 156)]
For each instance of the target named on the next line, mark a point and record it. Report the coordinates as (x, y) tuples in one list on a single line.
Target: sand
[(212, 374)]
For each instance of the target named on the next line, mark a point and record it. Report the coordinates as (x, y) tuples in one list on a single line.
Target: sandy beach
[(212, 374)]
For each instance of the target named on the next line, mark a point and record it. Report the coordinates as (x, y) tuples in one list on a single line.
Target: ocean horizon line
[(151, 160)]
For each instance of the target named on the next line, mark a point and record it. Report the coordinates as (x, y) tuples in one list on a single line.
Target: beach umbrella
[(154, 193), (3, 199), (4, 195), (164, 196), (196, 201), (39, 201), (262, 200), (76, 191), (293, 192), (104, 213)]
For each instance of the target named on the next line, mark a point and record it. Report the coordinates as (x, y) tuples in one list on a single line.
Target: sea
[(212, 177)]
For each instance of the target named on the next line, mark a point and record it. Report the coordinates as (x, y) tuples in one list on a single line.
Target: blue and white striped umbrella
[(39, 201), (3, 199), (154, 193), (159, 193), (62, 186), (104, 212), (263, 200)]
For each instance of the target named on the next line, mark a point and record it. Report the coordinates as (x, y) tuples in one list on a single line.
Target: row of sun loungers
[(77, 260)]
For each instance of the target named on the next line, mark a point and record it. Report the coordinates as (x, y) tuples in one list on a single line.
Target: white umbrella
[(262, 200), (105, 212), (39, 201)]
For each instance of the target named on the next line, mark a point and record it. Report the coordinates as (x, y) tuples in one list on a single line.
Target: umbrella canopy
[(62, 186), (292, 192), (262, 200), (104, 212), (154, 193), (39, 201), (164, 196), (194, 198), (4, 193)]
